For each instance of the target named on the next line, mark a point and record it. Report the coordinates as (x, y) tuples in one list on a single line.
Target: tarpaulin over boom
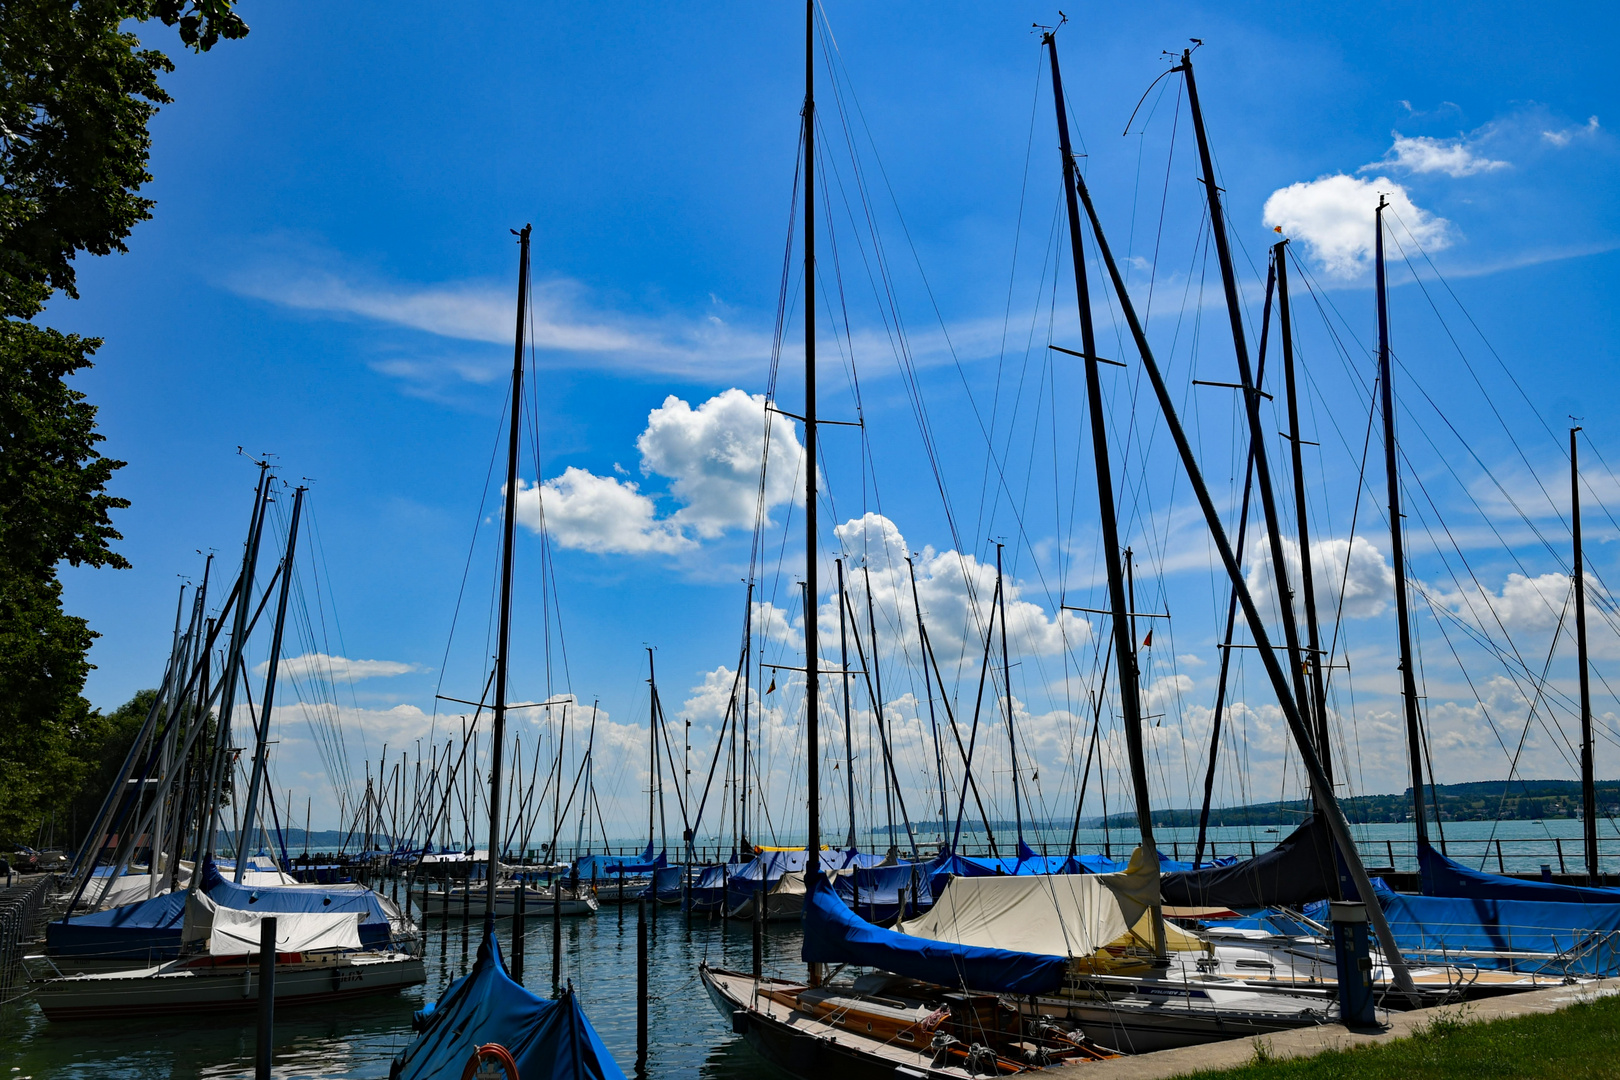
[(1297, 871), (834, 934), (1447, 877), (551, 1040)]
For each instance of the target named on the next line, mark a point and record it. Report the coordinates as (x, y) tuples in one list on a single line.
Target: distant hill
[(1481, 800)]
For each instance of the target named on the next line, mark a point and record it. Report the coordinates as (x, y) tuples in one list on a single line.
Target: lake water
[(689, 1038)]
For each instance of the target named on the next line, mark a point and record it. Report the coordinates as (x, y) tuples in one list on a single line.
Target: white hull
[(212, 985)]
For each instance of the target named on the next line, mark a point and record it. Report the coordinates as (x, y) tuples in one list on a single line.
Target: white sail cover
[(1051, 914), (233, 932)]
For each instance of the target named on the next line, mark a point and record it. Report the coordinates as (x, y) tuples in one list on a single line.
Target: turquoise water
[(689, 1037)]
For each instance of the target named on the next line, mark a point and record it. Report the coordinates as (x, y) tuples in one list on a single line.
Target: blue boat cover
[(607, 867), (149, 928), (874, 892), (1581, 938), (1447, 877), (835, 935), (375, 928), (709, 890), (550, 1040)]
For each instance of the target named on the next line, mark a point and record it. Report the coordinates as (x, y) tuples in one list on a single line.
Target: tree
[(77, 91)]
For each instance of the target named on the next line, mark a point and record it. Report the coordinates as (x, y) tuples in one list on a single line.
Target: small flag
[(771, 689), (1276, 228), (1147, 642)]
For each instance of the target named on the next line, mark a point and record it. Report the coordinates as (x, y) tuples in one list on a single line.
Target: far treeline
[(1482, 800)]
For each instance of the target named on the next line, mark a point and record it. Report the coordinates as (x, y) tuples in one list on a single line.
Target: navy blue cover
[(1447, 877), (149, 928), (1301, 869), (873, 892), (550, 1040), (835, 935)]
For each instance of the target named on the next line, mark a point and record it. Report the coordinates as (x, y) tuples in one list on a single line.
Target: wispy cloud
[(565, 326), (1423, 154), (320, 665)]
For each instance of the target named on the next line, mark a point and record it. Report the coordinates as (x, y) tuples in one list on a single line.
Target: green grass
[(1577, 1043)]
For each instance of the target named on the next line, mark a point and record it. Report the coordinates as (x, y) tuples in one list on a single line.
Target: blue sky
[(328, 277)]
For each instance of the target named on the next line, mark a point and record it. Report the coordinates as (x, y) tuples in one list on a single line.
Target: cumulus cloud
[(711, 456), (1422, 154), (954, 590), (772, 623), (594, 513), (337, 667), (1354, 567), (1333, 216)]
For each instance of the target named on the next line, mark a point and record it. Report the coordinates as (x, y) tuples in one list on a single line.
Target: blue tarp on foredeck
[(873, 892), (149, 929), (1561, 938), (1447, 877), (835, 935), (549, 1040)]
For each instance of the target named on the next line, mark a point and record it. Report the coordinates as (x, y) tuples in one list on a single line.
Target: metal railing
[(21, 907)]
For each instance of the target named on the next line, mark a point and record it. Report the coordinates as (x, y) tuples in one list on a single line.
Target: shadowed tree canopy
[(77, 91)]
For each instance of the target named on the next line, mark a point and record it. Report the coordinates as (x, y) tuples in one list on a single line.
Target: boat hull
[(536, 905), (177, 990)]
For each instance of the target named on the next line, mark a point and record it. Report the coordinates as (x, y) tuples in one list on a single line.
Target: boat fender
[(739, 1021)]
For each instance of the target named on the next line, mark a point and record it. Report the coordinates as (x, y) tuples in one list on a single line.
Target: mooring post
[(267, 997), (519, 906)]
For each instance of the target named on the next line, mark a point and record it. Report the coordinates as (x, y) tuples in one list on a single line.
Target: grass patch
[(1581, 1042)]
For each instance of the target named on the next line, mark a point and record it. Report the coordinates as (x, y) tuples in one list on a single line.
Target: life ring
[(492, 1061)]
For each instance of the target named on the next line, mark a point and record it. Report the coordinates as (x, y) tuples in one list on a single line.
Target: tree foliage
[(77, 93)]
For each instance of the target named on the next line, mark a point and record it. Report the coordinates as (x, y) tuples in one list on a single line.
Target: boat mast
[(849, 739), (1125, 663), (508, 537), (1251, 391), (1588, 786), (928, 692), (1006, 685), (1414, 737), (812, 677), (262, 739), (652, 746), (1321, 790), (1307, 576)]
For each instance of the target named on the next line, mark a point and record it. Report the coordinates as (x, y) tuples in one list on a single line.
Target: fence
[(20, 908)]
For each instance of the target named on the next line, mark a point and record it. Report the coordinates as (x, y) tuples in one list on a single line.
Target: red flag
[(1147, 642)]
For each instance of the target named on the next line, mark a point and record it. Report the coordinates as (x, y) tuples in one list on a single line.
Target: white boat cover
[(129, 889), (1071, 915), (233, 932)]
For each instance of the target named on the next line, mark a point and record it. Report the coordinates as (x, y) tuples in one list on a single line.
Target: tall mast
[(508, 536), (748, 693), (928, 692), (849, 739), (1414, 737), (652, 745), (1006, 683), (1307, 576), (227, 701), (1321, 790), (262, 736), (1588, 787), (812, 677), (1251, 390), (1124, 661)]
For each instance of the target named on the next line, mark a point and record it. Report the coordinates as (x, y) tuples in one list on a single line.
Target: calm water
[(358, 1039), (689, 1037)]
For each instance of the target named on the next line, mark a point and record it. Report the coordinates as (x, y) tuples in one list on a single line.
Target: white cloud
[(772, 623), (1333, 216), (597, 513), (712, 455), (1368, 587), (565, 322), (1566, 136), (337, 667), (1422, 154)]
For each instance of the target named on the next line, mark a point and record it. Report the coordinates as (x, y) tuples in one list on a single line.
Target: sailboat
[(486, 1015)]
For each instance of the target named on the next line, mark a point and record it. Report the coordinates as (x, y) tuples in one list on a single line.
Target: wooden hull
[(176, 989), (829, 1040)]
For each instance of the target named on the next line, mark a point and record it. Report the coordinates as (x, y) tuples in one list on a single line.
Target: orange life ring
[(479, 1066)]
